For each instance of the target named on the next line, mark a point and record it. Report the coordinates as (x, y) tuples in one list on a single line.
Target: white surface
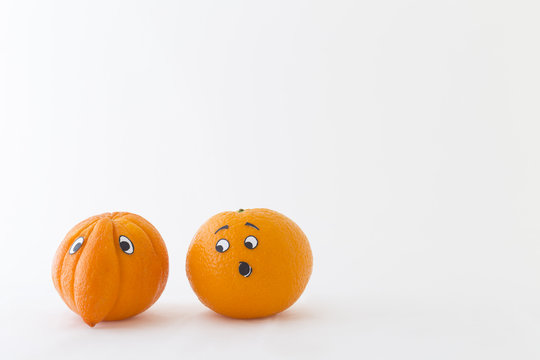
[(402, 136)]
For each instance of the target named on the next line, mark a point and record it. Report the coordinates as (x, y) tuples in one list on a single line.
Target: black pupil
[(77, 246), (219, 248), (249, 244), (124, 245)]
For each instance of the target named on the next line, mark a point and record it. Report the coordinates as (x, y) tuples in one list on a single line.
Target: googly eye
[(222, 245), (76, 245), (126, 245), (251, 242)]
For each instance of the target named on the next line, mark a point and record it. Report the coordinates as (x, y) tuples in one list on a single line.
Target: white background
[(402, 136)]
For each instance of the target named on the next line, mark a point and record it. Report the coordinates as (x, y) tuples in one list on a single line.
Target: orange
[(249, 263), (110, 267)]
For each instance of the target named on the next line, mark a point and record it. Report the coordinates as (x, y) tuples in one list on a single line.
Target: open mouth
[(244, 269)]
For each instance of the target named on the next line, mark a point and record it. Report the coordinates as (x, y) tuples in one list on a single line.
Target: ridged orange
[(110, 267)]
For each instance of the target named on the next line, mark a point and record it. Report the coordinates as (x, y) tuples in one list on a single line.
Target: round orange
[(110, 267), (249, 263)]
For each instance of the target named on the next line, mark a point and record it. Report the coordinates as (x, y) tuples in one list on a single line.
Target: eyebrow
[(222, 228), (253, 226)]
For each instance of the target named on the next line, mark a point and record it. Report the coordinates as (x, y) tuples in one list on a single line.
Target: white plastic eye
[(126, 245), (76, 245), (222, 245), (251, 242)]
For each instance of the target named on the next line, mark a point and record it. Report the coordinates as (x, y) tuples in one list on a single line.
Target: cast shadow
[(290, 316), (180, 315), (162, 316)]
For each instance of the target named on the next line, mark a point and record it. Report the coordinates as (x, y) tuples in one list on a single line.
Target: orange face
[(250, 263), (110, 267)]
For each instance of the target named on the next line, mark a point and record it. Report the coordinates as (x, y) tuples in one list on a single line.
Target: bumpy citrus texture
[(249, 263), (110, 267)]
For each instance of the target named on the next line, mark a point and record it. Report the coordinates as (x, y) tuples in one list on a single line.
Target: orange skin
[(100, 281), (275, 273)]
